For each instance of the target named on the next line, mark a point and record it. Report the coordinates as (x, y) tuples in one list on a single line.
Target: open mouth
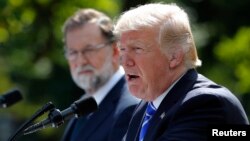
[(132, 77)]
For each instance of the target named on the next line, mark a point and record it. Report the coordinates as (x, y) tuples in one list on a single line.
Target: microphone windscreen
[(12, 97), (85, 105)]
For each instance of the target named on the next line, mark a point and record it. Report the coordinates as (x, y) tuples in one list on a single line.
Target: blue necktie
[(150, 111)]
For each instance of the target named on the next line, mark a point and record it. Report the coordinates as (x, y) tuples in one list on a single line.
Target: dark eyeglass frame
[(72, 55)]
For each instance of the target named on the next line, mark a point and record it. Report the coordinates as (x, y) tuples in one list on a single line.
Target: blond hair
[(172, 23)]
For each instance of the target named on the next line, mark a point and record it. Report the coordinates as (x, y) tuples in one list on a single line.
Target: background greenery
[(31, 57)]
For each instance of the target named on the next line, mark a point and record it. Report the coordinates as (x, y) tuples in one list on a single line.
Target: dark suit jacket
[(185, 113), (117, 107)]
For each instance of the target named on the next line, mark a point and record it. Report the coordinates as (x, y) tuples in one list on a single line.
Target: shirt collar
[(102, 92), (159, 99)]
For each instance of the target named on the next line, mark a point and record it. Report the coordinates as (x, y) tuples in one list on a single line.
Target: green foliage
[(234, 53)]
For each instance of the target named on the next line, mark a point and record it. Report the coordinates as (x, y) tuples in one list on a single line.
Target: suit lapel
[(106, 108), (179, 90), (68, 130), (135, 122)]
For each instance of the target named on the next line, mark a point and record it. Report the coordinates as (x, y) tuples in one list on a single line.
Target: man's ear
[(116, 52), (176, 58)]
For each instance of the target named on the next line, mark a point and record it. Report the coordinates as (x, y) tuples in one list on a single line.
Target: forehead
[(138, 36), (86, 33)]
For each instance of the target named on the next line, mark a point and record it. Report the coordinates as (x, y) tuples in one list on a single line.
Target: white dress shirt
[(102, 92), (159, 99)]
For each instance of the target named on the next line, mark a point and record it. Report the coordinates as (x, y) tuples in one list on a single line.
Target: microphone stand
[(40, 112), (54, 116), (57, 117)]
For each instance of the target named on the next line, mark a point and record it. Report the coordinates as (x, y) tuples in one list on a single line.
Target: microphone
[(40, 112), (83, 106), (10, 98)]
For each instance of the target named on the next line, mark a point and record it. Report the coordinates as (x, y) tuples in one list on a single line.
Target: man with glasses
[(94, 64)]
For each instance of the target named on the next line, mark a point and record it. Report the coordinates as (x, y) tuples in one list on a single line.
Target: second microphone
[(83, 106)]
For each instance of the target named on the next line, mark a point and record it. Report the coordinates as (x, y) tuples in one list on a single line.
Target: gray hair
[(83, 16)]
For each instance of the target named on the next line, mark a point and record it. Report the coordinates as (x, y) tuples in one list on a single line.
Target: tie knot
[(150, 109)]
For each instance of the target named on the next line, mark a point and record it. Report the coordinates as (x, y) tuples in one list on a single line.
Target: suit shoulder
[(206, 90), (205, 86)]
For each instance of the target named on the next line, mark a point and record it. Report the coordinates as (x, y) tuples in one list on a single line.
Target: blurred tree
[(127, 4), (234, 64), (234, 54)]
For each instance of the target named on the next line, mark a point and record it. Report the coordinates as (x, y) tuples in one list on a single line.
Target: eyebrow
[(130, 42), (87, 46)]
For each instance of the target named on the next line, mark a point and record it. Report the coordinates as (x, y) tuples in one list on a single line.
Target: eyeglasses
[(88, 52)]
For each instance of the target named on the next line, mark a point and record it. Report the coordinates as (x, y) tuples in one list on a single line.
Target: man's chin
[(84, 87), (136, 93), (84, 84)]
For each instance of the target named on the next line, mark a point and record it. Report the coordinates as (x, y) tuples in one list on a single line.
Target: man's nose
[(126, 60), (81, 59)]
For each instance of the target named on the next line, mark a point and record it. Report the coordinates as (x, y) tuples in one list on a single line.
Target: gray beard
[(99, 78)]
